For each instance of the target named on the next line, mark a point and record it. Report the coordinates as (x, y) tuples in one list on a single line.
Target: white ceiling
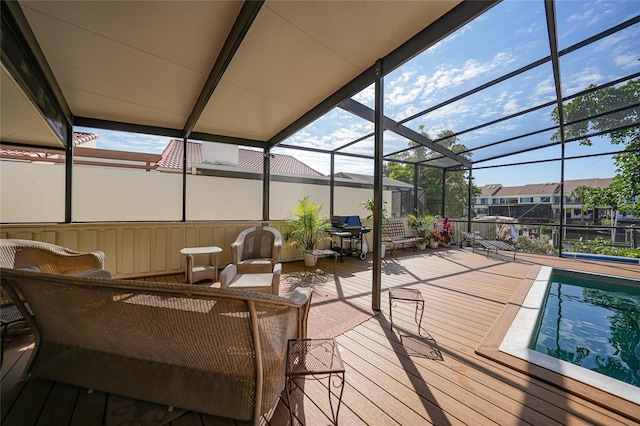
[(146, 63)]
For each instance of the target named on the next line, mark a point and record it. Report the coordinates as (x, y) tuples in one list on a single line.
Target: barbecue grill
[(350, 230)]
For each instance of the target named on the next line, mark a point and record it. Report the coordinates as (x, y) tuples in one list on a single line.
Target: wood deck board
[(465, 295), (452, 378), (497, 386)]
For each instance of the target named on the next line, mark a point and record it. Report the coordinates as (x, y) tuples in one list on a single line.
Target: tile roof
[(571, 185), (541, 188), (529, 189), (368, 179), (79, 138), (550, 188), (83, 137), (247, 159), (172, 155), (490, 189)]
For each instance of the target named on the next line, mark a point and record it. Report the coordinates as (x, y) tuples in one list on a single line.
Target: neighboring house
[(208, 156), (401, 192), (88, 140), (534, 203), (483, 201), (216, 159), (85, 152), (527, 203)]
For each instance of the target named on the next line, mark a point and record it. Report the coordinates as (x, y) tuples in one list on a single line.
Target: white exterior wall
[(102, 194), (218, 198), (219, 153), (31, 192), (34, 192)]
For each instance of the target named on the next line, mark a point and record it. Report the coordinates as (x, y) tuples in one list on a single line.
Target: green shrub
[(538, 245), (600, 245)]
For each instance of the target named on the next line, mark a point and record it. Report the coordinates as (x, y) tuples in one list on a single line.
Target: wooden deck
[(437, 380)]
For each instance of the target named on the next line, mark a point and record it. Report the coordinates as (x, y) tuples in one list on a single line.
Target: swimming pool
[(592, 322), (522, 337)]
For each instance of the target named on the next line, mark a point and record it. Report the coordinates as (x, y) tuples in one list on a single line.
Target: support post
[(266, 184), (332, 184), (68, 179), (184, 179), (416, 177), (444, 190), (376, 289), (555, 62), (469, 203)]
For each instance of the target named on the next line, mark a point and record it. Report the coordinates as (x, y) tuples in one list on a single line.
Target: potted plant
[(422, 223), (446, 235), (305, 226), (433, 239), (368, 205)]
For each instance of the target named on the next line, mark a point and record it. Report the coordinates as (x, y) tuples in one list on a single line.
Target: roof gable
[(172, 158)]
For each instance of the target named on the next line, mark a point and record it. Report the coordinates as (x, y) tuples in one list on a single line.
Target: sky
[(510, 35)]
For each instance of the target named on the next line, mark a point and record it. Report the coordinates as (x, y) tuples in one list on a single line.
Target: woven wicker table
[(320, 359), (195, 272), (407, 295)]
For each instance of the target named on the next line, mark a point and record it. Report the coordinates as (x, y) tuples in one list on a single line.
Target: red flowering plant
[(446, 232)]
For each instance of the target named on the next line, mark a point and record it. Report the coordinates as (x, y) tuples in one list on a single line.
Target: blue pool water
[(594, 322)]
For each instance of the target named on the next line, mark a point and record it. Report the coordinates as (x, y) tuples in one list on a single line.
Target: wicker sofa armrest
[(49, 258)]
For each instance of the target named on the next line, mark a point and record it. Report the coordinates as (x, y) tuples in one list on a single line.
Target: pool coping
[(529, 362)]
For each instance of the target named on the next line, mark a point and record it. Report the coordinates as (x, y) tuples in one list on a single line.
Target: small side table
[(195, 273), (324, 253), (407, 295), (315, 357)]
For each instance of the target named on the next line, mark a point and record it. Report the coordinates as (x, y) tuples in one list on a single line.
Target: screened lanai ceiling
[(274, 73), (246, 72)]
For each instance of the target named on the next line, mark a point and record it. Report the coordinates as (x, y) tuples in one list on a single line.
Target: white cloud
[(544, 88), (445, 77), (510, 107), (609, 43), (581, 80), (366, 96), (627, 61), (134, 142), (532, 28)]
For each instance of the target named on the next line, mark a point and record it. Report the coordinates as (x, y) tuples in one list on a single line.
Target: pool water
[(594, 322)]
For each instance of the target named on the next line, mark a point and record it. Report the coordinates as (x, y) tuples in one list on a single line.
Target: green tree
[(579, 195), (430, 178), (624, 193)]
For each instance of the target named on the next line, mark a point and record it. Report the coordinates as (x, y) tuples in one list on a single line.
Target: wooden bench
[(394, 235)]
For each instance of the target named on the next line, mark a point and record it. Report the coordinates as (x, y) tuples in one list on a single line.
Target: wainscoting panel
[(146, 248)]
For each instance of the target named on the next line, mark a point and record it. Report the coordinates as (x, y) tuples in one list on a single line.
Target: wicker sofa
[(215, 351), (50, 258), (42, 257)]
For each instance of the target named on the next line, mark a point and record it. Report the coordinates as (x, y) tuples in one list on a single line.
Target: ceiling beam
[(126, 127), (239, 30), (366, 113), (228, 139), (24, 60), (163, 131), (450, 22)]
